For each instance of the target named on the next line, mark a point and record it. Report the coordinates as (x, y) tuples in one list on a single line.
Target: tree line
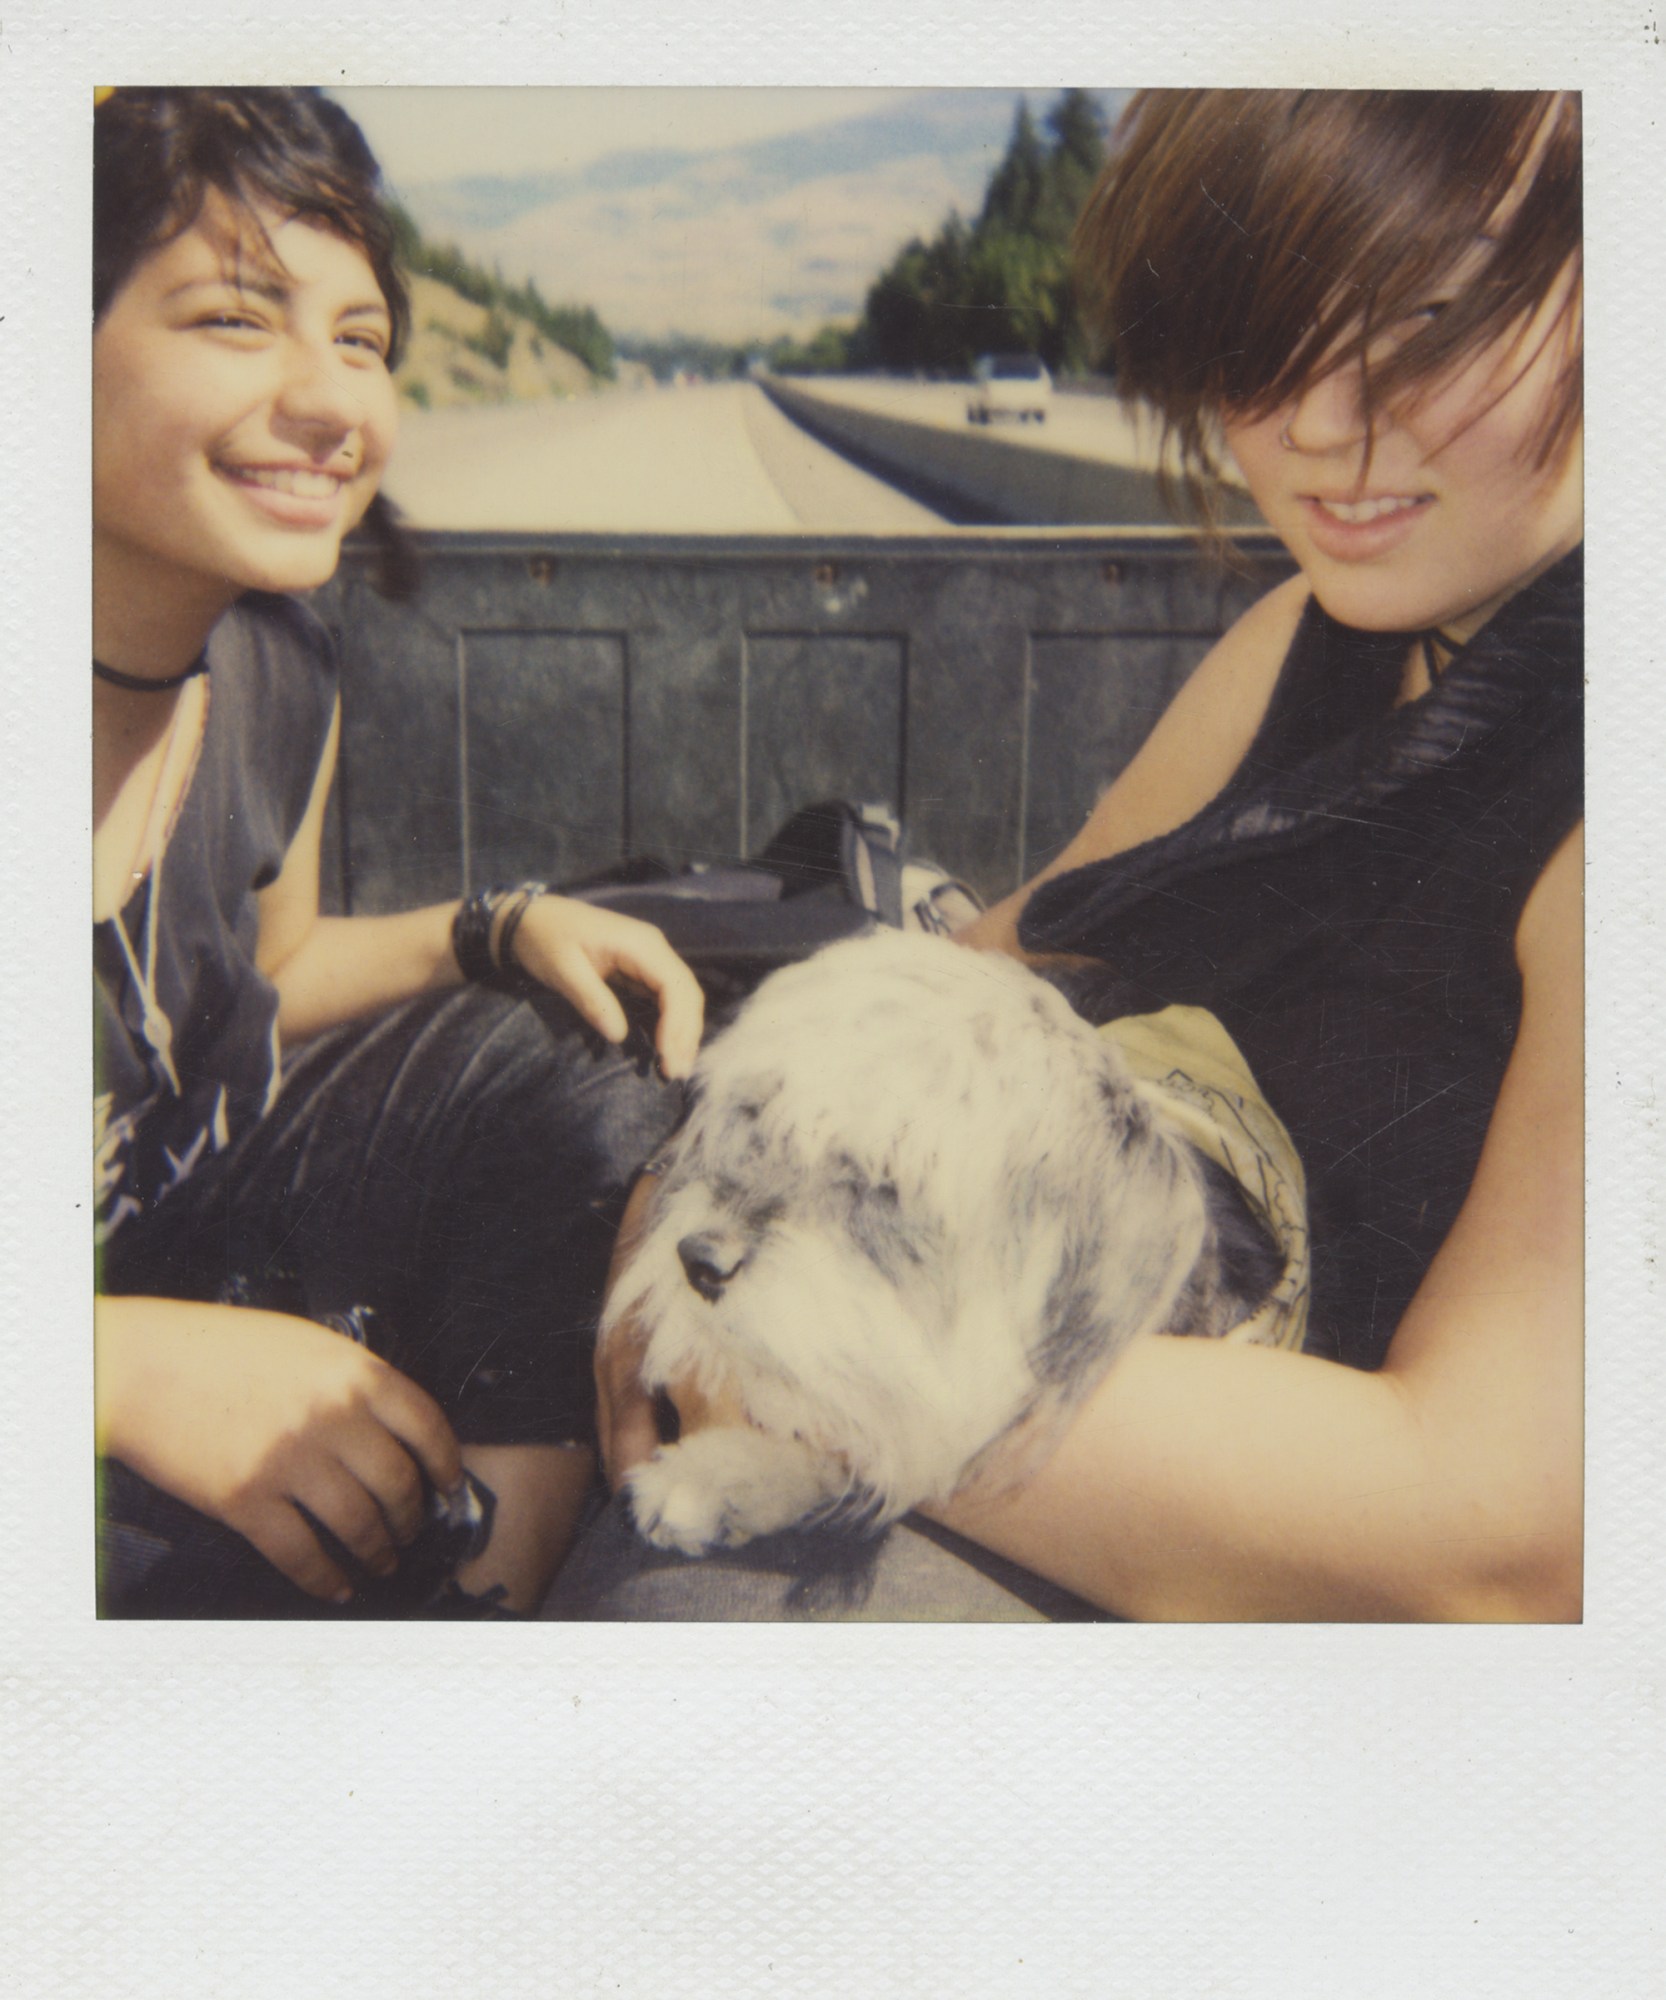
[(1000, 283)]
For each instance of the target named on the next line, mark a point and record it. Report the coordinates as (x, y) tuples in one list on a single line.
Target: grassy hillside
[(477, 339), (461, 352)]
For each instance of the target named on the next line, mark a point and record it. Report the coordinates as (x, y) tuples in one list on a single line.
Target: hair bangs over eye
[(161, 156), (1242, 244)]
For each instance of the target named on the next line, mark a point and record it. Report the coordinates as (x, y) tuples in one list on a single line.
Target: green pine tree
[(1005, 282)]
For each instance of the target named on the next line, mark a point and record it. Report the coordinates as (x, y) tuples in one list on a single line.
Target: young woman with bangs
[(310, 1127), (1355, 838)]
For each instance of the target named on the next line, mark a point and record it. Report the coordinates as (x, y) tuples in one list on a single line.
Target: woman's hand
[(576, 948), (252, 1417)]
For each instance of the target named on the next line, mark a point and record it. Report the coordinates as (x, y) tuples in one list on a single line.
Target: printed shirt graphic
[(273, 693)]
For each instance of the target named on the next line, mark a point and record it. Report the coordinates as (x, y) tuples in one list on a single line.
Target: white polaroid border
[(651, 1810)]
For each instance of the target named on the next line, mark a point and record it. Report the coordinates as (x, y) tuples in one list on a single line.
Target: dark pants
[(447, 1181)]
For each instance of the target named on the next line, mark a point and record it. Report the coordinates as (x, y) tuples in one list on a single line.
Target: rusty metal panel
[(823, 718), (548, 704), (543, 753)]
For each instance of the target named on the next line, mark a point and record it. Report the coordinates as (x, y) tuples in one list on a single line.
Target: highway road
[(715, 459)]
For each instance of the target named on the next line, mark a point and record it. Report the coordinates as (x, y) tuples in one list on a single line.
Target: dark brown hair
[(159, 154), (1242, 244)]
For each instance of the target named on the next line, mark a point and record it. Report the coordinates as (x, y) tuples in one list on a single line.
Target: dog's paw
[(721, 1487), (676, 1512)]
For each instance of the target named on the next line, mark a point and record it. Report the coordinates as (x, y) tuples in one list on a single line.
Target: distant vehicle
[(1010, 385)]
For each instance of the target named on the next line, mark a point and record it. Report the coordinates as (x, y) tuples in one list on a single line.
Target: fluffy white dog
[(918, 1201)]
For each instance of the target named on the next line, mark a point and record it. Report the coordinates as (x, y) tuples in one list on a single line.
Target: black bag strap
[(832, 844), (871, 850), (832, 870)]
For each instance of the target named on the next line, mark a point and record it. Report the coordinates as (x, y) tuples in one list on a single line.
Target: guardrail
[(551, 704)]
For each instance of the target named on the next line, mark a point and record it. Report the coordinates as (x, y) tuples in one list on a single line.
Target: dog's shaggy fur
[(918, 1201)]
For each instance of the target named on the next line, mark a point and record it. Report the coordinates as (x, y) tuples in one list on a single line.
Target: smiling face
[(1254, 259), (242, 417), (1436, 514)]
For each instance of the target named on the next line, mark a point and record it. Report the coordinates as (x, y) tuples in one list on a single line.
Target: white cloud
[(439, 133), (673, 257)]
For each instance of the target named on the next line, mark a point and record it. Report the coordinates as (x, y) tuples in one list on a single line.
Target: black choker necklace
[(138, 684)]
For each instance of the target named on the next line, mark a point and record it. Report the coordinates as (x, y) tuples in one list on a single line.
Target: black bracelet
[(525, 896), (471, 935), (483, 959)]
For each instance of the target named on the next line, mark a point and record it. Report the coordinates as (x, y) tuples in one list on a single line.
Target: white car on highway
[(1010, 385)]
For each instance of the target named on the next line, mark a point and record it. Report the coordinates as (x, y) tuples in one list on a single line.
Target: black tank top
[(160, 1111), (1347, 907)]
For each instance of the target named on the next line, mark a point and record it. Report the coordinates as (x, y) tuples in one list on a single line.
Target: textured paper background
[(653, 1811)]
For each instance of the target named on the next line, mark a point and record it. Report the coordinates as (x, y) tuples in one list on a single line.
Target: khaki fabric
[(1193, 1069)]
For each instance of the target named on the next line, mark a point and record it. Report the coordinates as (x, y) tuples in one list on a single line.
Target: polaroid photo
[(736, 529)]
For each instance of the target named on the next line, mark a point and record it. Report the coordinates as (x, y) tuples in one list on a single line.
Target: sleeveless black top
[(1347, 907), (158, 1112)]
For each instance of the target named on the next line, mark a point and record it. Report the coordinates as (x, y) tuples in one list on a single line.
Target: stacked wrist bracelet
[(483, 931)]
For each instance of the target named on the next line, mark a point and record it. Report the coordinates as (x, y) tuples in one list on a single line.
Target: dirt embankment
[(461, 352)]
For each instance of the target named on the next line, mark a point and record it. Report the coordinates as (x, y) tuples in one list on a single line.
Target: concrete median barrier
[(974, 474)]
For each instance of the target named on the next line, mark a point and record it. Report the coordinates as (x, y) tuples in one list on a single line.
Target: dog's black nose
[(710, 1259)]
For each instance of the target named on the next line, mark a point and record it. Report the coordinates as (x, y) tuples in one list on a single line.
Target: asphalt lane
[(716, 459)]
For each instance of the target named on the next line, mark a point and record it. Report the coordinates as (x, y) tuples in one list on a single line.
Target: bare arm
[(259, 1418), (1206, 1480), (333, 969), (1211, 1481)]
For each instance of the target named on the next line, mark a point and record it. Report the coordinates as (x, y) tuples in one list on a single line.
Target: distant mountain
[(775, 236)]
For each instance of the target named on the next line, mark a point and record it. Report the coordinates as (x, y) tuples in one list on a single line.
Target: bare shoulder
[(1521, 1226), (1240, 668), (1202, 736), (1547, 1069), (1550, 935), (1196, 746)]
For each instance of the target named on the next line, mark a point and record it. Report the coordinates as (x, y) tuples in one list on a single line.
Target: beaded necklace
[(166, 801)]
